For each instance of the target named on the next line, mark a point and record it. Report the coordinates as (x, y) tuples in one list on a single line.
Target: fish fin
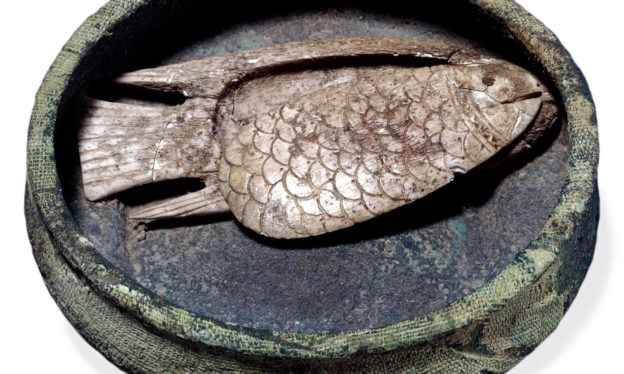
[(209, 76), (207, 201), (203, 78)]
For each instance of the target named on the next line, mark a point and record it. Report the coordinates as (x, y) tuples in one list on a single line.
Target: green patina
[(489, 330)]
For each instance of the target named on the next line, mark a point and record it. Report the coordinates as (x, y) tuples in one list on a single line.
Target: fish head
[(536, 108), (509, 100)]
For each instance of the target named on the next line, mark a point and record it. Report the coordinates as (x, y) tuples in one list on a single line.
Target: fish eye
[(488, 80), (499, 88)]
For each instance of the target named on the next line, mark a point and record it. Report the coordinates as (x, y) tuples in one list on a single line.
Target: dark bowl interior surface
[(404, 264)]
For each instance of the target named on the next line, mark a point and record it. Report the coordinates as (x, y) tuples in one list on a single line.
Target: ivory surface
[(306, 138)]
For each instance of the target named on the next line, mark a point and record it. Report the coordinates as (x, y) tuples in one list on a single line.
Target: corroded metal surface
[(488, 330), (399, 266), (394, 268)]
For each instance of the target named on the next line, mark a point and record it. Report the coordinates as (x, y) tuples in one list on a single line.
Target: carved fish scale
[(313, 150)]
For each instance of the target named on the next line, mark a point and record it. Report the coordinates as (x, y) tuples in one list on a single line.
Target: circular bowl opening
[(448, 263)]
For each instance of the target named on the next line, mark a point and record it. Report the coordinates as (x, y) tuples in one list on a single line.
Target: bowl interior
[(404, 264)]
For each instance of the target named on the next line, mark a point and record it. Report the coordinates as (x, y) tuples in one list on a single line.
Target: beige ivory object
[(306, 138)]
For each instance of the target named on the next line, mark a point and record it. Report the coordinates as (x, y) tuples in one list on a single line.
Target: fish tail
[(117, 144), (122, 146)]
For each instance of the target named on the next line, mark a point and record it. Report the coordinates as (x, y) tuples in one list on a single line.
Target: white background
[(35, 336)]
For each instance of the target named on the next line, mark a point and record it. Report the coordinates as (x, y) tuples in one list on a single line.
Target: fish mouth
[(528, 101), (528, 109), (528, 96), (545, 118)]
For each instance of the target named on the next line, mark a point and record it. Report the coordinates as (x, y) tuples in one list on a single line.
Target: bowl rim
[(528, 265)]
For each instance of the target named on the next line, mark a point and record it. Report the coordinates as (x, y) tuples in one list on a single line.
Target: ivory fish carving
[(306, 138)]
